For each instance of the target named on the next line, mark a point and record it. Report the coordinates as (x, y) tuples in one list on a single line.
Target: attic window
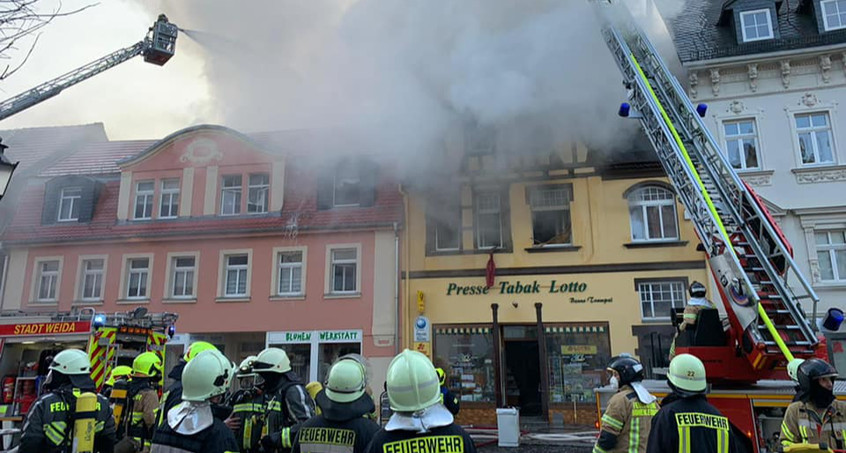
[(834, 14), (756, 25)]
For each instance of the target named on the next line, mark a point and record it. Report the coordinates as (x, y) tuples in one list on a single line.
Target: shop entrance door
[(522, 369)]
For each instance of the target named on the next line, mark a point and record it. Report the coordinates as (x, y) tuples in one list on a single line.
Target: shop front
[(312, 352)]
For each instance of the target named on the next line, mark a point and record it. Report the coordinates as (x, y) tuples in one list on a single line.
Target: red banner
[(45, 328)]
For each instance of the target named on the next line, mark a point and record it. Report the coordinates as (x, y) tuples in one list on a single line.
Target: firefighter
[(420, 422), (689, 424), (288, 404), (695, 304), (247, 406), (344, 424), (50, 420), (817, 417), (628, 417), (191, 426), (449, 400), (143, 400), (119, 373), (173, 395)]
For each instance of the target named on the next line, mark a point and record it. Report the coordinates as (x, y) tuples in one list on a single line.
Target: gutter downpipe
[(406, 223), (396, 288)]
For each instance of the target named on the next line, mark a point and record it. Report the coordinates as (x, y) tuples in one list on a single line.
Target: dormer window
[(756, 25), (834, 14), (69, 202)]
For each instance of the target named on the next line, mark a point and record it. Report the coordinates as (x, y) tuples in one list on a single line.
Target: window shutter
[(50, 208), (368, 174), (325, 189)]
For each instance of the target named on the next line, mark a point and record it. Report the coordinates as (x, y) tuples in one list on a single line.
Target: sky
[(403, 67)]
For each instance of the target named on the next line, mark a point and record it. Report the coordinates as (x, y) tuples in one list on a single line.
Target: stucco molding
[(201, 151), (785, 73), (715, 81), (825, 68), (758, 178), (693, 79), (820, 174), (752, 71)]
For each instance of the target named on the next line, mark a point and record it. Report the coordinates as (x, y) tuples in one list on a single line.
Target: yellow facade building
[(592, 252)]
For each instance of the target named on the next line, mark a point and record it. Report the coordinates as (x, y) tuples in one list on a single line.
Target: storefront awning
[(575, 329), (463, 330)]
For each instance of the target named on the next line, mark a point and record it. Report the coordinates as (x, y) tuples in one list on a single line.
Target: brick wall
[(584, 415), (477, 415)]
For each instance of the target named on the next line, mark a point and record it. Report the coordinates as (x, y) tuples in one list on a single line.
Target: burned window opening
[(551, 223)]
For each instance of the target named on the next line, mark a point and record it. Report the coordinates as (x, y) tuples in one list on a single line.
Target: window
[(48, 280), (344, 264), (488, 220), (144, 192), (69, 204), (236, 275), (831, 253), (290, 273), (652, 210), (230, 197), (92, 279), (742, 144), (657, 297), (257, 193), (137, 278), (466, 354), (347, 186), (169, 208), (834, 14), (577, 355), (182, 280), (815, 143), (756, 25), (445, 224), (550, 215)]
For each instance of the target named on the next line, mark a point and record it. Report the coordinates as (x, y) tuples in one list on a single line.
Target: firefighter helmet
[(118, 372), (346, 381), (627, 367), (196, 348), (793, 369), (272, 360), (208, 374), (441, 375), (313, 388), (245, 369), (71, 362), (412, 382), (147, 364), (687, 373), (813, 369), (697, 290)]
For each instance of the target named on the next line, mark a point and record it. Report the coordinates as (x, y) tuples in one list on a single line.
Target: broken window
[(347, 182), (551, 215)]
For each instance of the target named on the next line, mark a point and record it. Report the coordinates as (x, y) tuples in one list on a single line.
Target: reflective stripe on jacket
[(804, 422), (626, 423)]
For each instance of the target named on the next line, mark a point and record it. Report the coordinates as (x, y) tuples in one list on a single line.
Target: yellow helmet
[(147, 364), (118, 371), (441, 375), (196, 348)]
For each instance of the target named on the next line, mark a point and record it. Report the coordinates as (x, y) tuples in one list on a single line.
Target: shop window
[(69, 201), (742, 144), (831, 253), (813, 132), (550, 215), (137, 278), (466, 354), (144, 192), (652, 210), (488, 220), (169, 205), (577, 355), (48, 280), (658, 296), (300, 356), (92, 279), (230, 195), (257, 191), (328, 353)]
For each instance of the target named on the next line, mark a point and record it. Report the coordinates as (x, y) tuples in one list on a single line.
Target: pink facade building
[(252, 240)]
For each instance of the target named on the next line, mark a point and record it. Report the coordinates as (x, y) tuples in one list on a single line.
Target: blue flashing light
[(99, 321), (624, 110), (171, 330), (701, 109)]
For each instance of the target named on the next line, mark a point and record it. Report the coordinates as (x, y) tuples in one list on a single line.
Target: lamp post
[(6, 169)]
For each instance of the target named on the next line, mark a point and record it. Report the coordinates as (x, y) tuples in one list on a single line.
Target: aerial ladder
[(749, 256), (157, 47)]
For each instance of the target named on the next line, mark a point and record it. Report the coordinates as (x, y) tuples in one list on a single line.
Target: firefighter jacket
[(248, 406), (49, 423), (444, 439), (173, 395), (450, 401), (193, 433), (144, 403), (804, 422), (385, 411), (340, 428), (625, 425), (692, 309), (287, 407), (690, 425)]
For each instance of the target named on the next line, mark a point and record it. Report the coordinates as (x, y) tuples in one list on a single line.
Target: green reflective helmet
[(118, 372), (412, 382), (196, 348), (71, 362), (687, 373), (147, 364), (207, 375), (346, 381), (272, 360)]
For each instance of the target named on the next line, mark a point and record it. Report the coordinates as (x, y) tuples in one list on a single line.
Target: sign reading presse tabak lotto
[(575, 289)]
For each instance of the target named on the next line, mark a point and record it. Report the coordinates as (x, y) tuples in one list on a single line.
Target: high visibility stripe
[(684, 439), (634, 435), (248, 433), (598, 449), (275, 406), (55, 431), (689, 316), (99, 426), (286, 437), (644, 410), (785, 431), (722, 441), (611, 421)]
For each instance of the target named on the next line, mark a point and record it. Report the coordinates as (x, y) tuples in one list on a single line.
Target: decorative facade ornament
[(693, 79), (815, 271), (832, 175), (825, 67), (736, 107), (758, 180), (201, 151), (809, 100), (785, 73), (715, 81), (753, 77)]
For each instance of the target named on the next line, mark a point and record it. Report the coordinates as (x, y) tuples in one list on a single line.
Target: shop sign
[(45, 328), (315, 336), (585, 349), (517, 287), (423, 347), (339, 336), (288, 337), (422, 329)]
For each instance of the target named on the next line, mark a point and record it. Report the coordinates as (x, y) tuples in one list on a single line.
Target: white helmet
[(412, 382), (272, 360), (71, 362), (206, 376), (245, 369), (346, 381), (793, 369)]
